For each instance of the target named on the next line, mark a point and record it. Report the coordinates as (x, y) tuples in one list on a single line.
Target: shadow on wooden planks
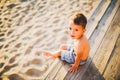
[(91, 73)]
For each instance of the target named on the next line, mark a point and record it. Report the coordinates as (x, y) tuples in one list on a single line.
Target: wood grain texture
[(104, 51), (112, 71), (96, 17)]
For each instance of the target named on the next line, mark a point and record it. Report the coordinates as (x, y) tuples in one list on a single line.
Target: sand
[(28, 28)]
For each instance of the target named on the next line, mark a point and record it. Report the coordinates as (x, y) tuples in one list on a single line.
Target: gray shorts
[(69, 56)]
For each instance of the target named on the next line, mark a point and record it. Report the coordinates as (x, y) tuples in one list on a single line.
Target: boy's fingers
[(71, 65), (72, 70)]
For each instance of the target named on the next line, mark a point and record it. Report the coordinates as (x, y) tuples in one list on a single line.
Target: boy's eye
[(76, 29), (70, 28)]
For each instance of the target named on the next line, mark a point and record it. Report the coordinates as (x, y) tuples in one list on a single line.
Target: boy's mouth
[(72, 36)]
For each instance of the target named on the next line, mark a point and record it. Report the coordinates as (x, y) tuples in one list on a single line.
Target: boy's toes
[(52, 57), (47, 54)]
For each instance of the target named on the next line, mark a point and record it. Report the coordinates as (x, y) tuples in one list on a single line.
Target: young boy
[(78, 53)]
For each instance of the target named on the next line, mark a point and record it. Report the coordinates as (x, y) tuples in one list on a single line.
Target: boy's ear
[(84, 30)]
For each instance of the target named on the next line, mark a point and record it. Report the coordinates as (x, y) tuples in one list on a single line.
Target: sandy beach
[(28, 28)]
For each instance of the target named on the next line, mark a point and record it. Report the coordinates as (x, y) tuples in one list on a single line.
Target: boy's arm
[(77, 60)]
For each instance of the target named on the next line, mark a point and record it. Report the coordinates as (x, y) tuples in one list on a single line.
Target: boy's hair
[(79, 19)]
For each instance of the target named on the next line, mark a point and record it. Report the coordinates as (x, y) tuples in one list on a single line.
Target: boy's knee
[(63, 47)]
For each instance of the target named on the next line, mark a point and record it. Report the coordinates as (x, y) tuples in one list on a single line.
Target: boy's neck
[(79, 38)]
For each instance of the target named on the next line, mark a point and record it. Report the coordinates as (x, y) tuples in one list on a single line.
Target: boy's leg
[(53, 56), (68, 56), (56, 54), (63, 47)]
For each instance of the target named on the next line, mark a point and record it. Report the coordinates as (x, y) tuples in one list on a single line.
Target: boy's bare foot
[(51, 56)]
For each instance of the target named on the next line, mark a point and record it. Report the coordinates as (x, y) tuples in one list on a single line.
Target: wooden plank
[(52, 67), (53, 73), (94, 46), (73, 76), (63, 70), (92, 73), (104, 51), (103, 30), (113, 68), (110, 44), (94, 9), (93, 22)]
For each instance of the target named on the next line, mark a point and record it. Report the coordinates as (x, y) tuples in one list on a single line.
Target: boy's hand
[(73, 68)]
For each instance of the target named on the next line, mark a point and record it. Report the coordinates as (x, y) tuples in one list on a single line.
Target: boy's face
[(76, 31)]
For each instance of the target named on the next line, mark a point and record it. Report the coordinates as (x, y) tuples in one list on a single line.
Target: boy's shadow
[(87, 71)]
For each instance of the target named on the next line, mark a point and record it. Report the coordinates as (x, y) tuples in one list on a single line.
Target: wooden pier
[(103, 31)]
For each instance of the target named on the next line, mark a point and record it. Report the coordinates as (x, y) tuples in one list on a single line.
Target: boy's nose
[(72, 32)]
